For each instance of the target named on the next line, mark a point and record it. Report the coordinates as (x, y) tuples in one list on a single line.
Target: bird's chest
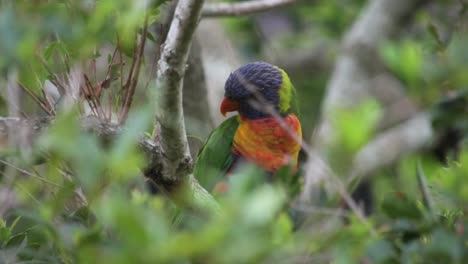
[(269, 142)]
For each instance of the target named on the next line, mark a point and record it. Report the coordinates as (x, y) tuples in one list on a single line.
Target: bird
[(266, 130)]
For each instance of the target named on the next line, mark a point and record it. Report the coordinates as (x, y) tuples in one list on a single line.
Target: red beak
[(228, 106)]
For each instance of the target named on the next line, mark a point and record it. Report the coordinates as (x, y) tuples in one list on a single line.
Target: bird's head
[(256, 88)]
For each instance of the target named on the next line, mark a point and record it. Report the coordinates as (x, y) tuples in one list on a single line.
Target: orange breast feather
[(268, 143)]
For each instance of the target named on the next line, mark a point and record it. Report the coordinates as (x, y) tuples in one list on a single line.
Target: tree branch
[(169, 82), (243, 8), (295, 61), (388, 147), (175, 169), (196, 112)]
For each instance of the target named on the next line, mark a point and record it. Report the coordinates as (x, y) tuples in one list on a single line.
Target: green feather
[(287, 95), (285, 92), (215, 158), (294, 103)]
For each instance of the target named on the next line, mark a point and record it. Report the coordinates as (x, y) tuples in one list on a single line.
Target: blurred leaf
[(444, 247), (424, 189), (124, 159), (151, 37), (81, 150), (452, 181), (154, 15), (290, 180), (451, 111), (399, 205), (244, 180), (263, 205), (120, 222), (5, 231), (84, 215), (405, 59), (283, 228), (355, 127), (435, 34), (49, 50), (382, 251)]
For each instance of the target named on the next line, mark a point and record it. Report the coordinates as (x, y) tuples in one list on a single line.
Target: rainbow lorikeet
[(266, 132)]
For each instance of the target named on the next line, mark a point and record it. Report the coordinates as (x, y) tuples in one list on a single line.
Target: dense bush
[(75, 196)]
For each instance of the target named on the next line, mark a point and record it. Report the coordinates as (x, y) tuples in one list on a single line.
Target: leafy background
[(89, 202)]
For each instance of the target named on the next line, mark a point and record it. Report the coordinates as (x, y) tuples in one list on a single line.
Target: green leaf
[(435, 34), (399, 205), (424, 189), (405, 59), (49, 50), (382, 251), (282, 229), (5, 232), (151, 37), (263, 205), (356, 126), (124, 159), (444, 247)]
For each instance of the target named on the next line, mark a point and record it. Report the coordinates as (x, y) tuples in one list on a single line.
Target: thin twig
[(87, 94), (93, 61), (109, 67), (422, 183), (54, 78), (64, 55), (93, 95), (121, 91), (134, 81), (28, 193), (90, 97), (36, 99), (107, 79), (29, 173), (48, 103), (126, 87)]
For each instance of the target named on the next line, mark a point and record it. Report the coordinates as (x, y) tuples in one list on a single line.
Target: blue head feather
[(257, 79)]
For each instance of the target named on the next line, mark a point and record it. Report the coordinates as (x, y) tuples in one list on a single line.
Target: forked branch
[(168, 89)]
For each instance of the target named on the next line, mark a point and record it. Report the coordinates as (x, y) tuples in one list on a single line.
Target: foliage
[(80, 198)]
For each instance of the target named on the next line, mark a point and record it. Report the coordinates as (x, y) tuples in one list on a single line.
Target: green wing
[(215, 158)]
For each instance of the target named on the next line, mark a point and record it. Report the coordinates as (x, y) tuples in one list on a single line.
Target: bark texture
[(168, 89), (176, 161)]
